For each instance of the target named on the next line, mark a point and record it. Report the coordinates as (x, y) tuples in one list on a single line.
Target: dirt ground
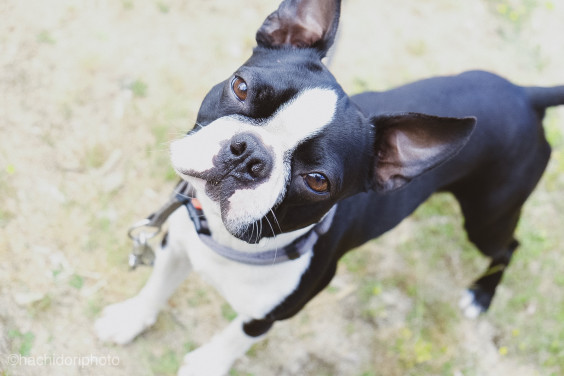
[(92, 92)]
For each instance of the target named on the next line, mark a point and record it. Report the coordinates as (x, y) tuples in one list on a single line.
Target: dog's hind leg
[(491, 202), (491, 229), (122, 322), (491, 217)]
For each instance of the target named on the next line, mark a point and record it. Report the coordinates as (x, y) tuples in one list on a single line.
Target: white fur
[(298, 120), (216, 357), (122, 322), (468, 305), (252, 291)]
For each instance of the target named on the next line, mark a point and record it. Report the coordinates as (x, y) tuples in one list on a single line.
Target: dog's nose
[(252, 159)]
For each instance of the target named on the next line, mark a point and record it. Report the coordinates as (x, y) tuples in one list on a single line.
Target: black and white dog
[(291, 173)]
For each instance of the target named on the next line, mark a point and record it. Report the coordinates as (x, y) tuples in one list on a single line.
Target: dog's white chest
[(250, 290)]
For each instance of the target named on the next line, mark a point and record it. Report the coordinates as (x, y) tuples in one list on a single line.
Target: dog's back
[(493, 174), (509, 119)]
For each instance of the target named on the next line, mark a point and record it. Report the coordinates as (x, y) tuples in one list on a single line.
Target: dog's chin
[(248, 237), (254, 232)]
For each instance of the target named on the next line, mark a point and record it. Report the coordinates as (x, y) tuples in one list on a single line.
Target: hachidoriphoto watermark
[(60, 360)]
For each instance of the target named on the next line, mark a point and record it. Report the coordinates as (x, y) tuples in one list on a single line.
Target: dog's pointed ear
[(301, 24), (406, 145)]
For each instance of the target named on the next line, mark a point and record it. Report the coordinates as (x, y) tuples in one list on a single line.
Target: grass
[(6, 190), (518, 13), (530, 298), (45, 37), (22, 342), (227, 312), (158, 151), (76, 281), (139, 88), (41, 306), (167, 363), (95, 156)]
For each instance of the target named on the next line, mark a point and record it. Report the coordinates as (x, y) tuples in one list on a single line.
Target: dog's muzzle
[(245, 158), (242, 173)]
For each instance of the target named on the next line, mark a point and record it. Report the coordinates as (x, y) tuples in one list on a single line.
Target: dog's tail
[(544, 97)]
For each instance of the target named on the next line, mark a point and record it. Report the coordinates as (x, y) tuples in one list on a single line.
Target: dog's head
[(278, 143)]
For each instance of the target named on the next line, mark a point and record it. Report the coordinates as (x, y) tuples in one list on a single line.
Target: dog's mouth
[(219, 205), (237, 208)]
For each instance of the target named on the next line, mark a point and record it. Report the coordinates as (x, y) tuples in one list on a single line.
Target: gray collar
[(142, 253), (292, 251)]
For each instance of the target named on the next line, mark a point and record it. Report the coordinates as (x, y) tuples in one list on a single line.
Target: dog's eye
[(317, 182), (239, 87)]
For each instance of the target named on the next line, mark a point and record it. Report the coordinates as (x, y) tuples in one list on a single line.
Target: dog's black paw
[(475, 302)]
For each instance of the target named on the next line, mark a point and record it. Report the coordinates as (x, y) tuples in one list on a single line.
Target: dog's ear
[(406, 145), (301, 24)]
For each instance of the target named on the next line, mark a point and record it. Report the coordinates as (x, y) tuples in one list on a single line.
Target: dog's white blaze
[(303, 117), (298, 120)]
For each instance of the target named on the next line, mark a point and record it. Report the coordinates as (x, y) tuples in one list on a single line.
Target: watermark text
[(60, 360)]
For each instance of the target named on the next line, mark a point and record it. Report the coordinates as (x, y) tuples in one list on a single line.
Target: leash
[(143, 253), (140, 232)]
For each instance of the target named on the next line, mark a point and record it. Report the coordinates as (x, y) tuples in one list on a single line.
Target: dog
[(290, 173)]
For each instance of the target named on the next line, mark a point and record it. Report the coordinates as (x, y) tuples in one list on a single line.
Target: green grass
[(5, 216), (234, 372), (40, 306), (94, 307), (6, 191), (139, 88), (517, 13), (76, 281), (158, 152), (163, 7), (95, 156), (166, 363), (45, 37), (227, 312), (532, 279), (21, 342)]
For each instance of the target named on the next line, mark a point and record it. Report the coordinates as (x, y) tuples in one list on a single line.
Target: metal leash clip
[(142, 252)]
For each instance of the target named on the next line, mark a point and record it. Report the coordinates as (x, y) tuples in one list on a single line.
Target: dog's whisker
[(252, 230), (259, 224), (274, 237), (276, 220)]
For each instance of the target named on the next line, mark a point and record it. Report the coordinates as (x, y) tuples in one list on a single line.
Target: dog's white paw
[(207, 360), (470, 308), (121, 322)]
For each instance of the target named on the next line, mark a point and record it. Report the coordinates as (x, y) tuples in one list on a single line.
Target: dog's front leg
[(121, 322), (216, 357)]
